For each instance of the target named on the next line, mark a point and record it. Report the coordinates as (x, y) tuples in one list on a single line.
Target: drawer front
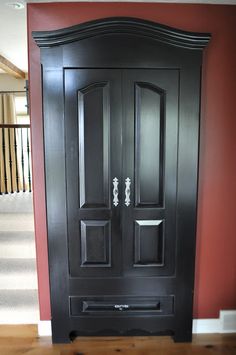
[(100, 306)]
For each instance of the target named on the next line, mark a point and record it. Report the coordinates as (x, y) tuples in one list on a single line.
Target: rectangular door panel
[(93, 160), (149, 243), (95, 243)]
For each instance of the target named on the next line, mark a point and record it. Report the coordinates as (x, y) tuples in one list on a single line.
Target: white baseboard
[(44, 328), (200, 326), (228, 321)]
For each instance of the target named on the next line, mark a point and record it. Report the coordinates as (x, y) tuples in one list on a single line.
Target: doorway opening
[(18, 277)]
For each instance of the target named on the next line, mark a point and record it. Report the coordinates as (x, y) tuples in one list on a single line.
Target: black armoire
[(121, 137)]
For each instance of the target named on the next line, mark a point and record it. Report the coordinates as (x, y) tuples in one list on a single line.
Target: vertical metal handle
[(127, 191), (115, 192)]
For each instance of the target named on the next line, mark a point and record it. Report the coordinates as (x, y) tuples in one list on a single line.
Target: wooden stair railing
[(15, 158)]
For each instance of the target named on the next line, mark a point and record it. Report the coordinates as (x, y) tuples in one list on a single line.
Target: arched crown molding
[(117, 25)]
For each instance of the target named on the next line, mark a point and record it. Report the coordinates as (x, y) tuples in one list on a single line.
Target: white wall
[(9, 83)]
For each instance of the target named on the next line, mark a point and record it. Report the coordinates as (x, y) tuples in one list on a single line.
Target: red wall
[(215, 285)]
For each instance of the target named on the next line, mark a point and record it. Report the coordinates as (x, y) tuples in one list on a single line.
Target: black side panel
[(56, 201)]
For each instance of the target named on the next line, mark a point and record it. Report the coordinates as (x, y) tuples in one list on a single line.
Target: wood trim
[(13, 92), (10, 68), (14, 125), (200, 326), (128, 25), (23, 339)]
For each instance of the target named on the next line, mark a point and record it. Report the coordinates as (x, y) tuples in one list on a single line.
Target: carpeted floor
[(18, 278)]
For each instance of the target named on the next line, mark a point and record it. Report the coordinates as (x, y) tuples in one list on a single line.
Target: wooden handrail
[(14, 125), (10, 68), (13, 92)]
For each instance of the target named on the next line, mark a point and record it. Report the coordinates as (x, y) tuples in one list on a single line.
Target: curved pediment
[(118, 25)]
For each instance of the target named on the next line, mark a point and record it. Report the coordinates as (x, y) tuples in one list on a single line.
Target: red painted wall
[(215, 285)]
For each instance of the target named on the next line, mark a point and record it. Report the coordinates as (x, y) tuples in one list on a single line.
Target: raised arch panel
[(94, 142), (114, 25), (149, 144)]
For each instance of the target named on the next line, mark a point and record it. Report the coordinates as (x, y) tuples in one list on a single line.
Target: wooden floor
[(15, 340)]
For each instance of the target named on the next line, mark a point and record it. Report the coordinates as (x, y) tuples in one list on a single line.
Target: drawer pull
[(107, 305), (121, 307)]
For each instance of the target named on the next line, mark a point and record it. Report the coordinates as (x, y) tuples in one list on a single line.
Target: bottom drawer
[(82, 306)]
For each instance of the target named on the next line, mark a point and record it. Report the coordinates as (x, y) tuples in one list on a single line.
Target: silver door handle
[(115, 192), (127, 191)]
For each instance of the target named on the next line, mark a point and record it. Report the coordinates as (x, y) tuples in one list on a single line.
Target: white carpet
[(20, 202), (18, 277)]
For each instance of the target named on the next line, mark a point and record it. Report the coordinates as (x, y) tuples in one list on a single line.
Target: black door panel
[(93, 143), (150, 141)]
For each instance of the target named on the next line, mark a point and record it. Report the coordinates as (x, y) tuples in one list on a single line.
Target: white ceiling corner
[(13, 38)]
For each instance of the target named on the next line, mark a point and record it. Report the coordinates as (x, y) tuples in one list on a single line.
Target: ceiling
[(13, 41)]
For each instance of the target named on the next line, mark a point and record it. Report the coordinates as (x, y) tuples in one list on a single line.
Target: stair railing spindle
[(28, 154), (1, 170), (10, 159), (15, 152), (22, 160), (16, 161), (4, 159)]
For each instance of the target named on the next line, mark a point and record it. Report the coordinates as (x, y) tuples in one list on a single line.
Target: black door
[(121, 163), (121, 127), (93, 115)]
